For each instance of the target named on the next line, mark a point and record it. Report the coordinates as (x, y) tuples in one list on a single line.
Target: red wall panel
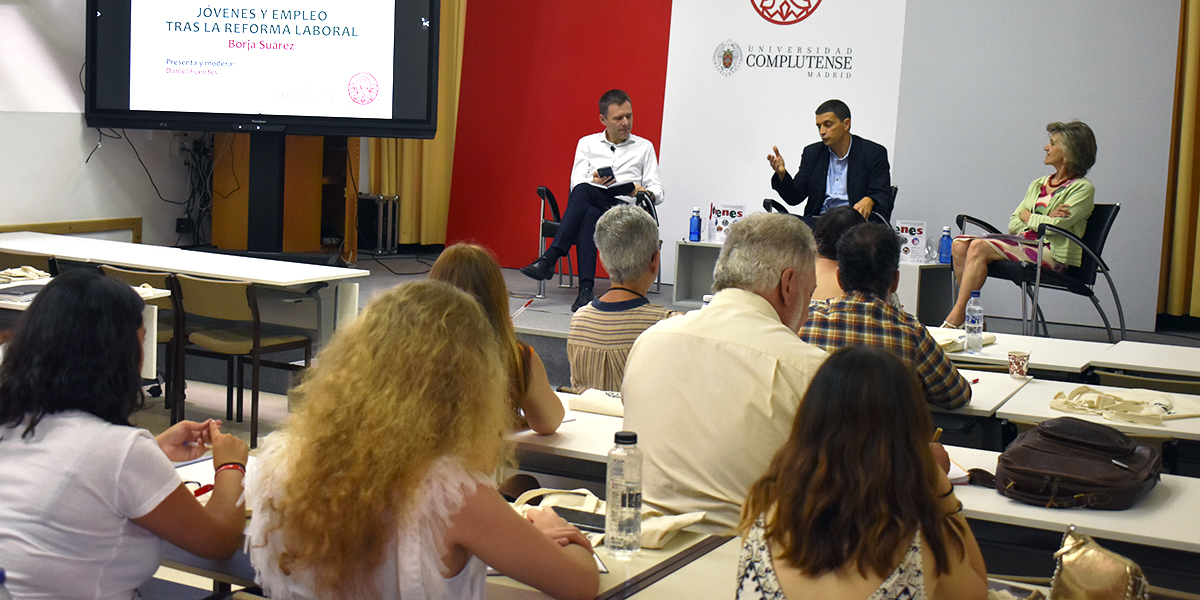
[(532, 73)]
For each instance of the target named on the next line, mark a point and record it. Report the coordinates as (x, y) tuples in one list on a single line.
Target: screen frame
[(96, 63)]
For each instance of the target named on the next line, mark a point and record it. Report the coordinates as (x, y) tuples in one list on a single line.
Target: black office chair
[(1077, 280), (771, 205), (644, 202), (549, 227)]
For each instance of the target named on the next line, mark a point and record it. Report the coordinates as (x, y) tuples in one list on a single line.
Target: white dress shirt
[(633, 160), (712, 395)]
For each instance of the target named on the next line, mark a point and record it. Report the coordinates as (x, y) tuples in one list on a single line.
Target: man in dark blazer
[(842, 169)]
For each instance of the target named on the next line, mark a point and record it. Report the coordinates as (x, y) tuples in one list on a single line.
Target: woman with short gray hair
[(603, 331)]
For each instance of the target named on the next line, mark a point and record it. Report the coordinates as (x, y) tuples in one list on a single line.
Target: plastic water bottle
[(974, 324), (944, 246), (4, 595), (694, 232), (623, 523)]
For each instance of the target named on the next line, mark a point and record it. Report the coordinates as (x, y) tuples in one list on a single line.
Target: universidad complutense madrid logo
[(785, 12), (727, 57)]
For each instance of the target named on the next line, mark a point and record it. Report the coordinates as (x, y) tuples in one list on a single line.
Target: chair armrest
[(1044, 227), (548, 198), (643, 201), (770, 205), (962, 220)]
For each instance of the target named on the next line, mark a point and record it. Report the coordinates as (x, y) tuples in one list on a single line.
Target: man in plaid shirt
[(869, 272)]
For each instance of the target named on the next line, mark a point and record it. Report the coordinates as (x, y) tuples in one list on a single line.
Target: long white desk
[(624, 577), (1032, 405), (335, 305), (1046, 354), (989, 391), (1151, 358), (1164, 518), (589, 437), (149, 319)]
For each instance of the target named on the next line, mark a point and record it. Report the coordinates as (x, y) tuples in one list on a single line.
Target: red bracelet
[(232, 465)]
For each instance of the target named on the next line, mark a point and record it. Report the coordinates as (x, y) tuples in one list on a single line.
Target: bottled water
[(974, 324), (694, 226), (623, 523), (944, 244), (4, 595)]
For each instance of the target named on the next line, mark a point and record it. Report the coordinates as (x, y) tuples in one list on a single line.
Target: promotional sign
[(721, 217), (912, 250), (744, 76)]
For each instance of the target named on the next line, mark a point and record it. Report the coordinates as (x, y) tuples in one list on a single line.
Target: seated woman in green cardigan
[(1063, 199)]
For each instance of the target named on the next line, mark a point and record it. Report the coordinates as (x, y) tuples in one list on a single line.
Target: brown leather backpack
[(1068, 462)]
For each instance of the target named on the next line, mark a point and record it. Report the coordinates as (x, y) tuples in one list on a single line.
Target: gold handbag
[(1088, 571)]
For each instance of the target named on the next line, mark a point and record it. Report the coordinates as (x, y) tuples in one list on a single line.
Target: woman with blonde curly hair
[(379, 486), (474, 269), (854, 504)]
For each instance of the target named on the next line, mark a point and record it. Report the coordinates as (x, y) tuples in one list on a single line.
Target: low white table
[(694, 262)]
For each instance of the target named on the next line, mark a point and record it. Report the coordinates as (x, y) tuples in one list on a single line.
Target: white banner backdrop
[(745, 75)]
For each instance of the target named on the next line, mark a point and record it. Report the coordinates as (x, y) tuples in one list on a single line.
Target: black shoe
[(540, 269), (585, 296)]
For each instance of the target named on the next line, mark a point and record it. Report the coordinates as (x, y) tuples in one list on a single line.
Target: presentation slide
[(300, 57)]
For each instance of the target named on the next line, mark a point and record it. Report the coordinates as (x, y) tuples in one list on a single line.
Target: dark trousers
[(584, 207)]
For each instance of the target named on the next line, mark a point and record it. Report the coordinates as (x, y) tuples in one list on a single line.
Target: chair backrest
[(42, 262), (1099, 224), (217, 298), (547, 197), (154, 279)]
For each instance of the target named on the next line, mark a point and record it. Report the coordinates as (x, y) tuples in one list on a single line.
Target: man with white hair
[(603, 331), (712, 394)]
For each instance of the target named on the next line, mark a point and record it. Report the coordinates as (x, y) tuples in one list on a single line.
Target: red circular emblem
[(363, 89), (785, 12)]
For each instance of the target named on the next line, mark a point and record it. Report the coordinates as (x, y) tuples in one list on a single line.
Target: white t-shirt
[(66, 501)]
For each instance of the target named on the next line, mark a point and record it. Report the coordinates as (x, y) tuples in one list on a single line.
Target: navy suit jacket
[(868, 174)]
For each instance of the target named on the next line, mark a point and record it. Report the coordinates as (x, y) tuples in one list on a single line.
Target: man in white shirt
[(634, 171), (712, 394)]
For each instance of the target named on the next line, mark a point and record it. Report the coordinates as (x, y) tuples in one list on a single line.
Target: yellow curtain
[(1179, 290), (419, 171)]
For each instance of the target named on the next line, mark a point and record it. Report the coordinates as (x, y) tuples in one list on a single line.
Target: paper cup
[(1018, 364)]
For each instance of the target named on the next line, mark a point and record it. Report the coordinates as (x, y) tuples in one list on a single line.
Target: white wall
[(45, 141), (978, 84)]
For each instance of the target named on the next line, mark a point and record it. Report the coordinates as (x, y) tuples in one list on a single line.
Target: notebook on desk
[(20, 293)]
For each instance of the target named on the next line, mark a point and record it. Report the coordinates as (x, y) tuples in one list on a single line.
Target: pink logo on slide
[(785, 12), (363, 89)]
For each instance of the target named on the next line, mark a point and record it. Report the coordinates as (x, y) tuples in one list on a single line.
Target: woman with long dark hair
[(854, 504), (88, 498)]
